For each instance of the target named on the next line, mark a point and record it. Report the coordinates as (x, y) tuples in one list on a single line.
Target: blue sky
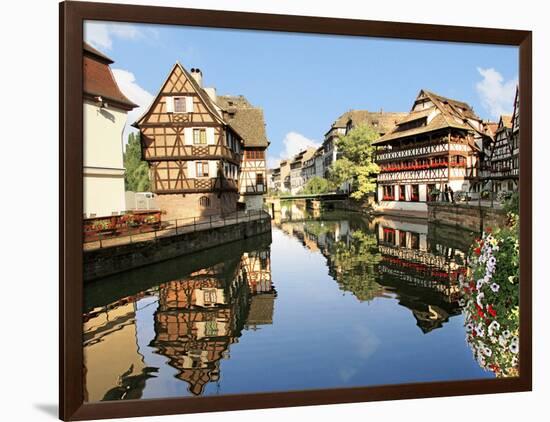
[(304, 82)]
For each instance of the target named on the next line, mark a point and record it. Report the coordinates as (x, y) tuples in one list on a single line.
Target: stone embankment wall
[(469, 217), (107, 261)]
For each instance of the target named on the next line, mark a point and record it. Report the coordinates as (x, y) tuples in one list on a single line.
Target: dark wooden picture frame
[(72, 16)]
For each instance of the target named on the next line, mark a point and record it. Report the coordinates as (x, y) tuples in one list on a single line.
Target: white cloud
[(293, 143), (129, 87), (496, 94), (101, 34)]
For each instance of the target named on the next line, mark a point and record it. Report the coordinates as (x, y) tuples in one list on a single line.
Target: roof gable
[(180, 81), (432, 112)]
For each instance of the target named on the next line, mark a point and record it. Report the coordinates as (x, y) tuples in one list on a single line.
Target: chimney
[(211, 93), (197, 75)]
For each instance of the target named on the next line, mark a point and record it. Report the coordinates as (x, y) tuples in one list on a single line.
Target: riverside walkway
[(177, 227)]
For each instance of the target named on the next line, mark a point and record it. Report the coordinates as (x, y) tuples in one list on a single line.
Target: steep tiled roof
[(448, 113), (99, 80), (246, 119), (379, 120)]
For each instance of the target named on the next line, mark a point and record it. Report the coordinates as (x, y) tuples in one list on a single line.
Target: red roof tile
[(99, 80)]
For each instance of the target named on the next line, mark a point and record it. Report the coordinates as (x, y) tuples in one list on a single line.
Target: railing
[(176, 227)]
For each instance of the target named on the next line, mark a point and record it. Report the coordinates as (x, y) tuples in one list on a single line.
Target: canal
[(324, 301)]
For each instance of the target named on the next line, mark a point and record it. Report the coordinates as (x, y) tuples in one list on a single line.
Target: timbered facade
[(515, 139), (435, 147), (249, 122), (298, 177), (194, 154), (501, 158)]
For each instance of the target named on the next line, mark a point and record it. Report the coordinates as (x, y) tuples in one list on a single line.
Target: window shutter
[(189, 104), (213, 168), (210, 136), (188, 135), (169, 104), (191, 170)]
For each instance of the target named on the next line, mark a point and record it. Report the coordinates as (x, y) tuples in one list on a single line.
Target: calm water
[(330, 300)]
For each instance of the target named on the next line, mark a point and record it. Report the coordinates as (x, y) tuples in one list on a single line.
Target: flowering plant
[(503, 196), (461, 196), (491, 299)]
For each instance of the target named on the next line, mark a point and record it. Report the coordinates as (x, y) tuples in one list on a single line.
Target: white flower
[(506, 333), (515, 340), (469, 327), (501, 341), (479, 284), (487, 278), (461, 302), (514, 348), (493, 326), (515, 361), (479, 330), (492, 261), (480, 297), (495, 287), (487, 351)]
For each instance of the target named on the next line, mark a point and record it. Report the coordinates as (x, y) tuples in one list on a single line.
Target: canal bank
[(466, 216), (107, 261)]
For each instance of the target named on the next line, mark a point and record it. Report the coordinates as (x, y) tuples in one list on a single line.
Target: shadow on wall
[(107, 115)]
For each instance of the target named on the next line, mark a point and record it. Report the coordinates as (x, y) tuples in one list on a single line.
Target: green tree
[(136, 177), (317, 185), (356, 164)]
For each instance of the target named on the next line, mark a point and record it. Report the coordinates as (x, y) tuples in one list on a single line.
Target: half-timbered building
[(502, 178), (194, 154), (105, 113), (297, 179), (380, 121), (249, 122), (434, 148), (515, 139)]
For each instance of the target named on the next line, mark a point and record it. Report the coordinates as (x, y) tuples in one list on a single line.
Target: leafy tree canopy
[(356, 163), (317, 185)]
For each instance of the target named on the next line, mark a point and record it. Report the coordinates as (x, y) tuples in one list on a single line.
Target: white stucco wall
[(103, 194), (103, 160)]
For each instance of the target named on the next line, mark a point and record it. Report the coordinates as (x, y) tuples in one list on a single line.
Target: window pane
[(179, 104)]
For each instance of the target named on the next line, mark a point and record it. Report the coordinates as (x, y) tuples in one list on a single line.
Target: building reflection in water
[(197, 319), (418, 263), (114, 368)]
